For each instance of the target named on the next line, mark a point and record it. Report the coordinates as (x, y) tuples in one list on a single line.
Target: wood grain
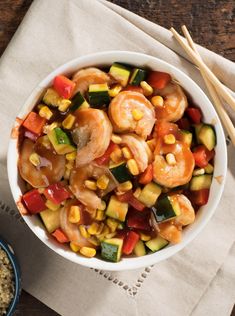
[(211, 23)]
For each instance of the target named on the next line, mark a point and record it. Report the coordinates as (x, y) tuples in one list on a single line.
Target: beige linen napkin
[(189, 283)]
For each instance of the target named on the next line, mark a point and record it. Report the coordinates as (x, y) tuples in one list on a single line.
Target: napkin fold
[(190, 282)]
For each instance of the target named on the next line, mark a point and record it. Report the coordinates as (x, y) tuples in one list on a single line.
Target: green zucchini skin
[(120, 72), (157, 243), (77, 101), (207, 136), (121, 173), (111, 249), (165, 209), (137, 76)]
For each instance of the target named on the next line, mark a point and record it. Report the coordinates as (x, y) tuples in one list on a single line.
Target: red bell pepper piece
[(129, 243), (56, 193), (60, 236), (158, 79), (134, 88), (34, 201), (147, 175), (128, 197), (34, 123), (199, 197), (138, 220), (202, 156), (183, 123), (194, 114), (105, 157), (63, 86)]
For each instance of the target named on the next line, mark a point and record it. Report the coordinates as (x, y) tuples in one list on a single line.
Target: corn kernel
[(64, 104), (71, 156), (88, 252), (41, 105), (152, 144), (101, 227), (45, 112), (52, 206), (111, 235), (169, 139), (74, 214), (48, 128), (133, 167), (67, 173), (198, 172), (125, 186), (91, 185), (83, 231), (116, 139), (116, 155), (69, 165), (137, 114), (74, 247), (93, 214), (94, 241), (99, 215), (103, 206), (115, 90), (170, 158), (34, 158), (103, 233), (148, 90), (40, 190), (112, 224), (126, 153), (137, 193), (93, 228), (102, 182), (69, 121), (145, 237), (157, 100)]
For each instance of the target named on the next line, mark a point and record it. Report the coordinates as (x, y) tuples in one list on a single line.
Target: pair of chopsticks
[(214, 86)]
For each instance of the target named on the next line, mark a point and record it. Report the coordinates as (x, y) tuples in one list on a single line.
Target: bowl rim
[(16, 271), (152, 258)]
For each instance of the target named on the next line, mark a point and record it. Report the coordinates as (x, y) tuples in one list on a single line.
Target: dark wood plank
[(212, 24)]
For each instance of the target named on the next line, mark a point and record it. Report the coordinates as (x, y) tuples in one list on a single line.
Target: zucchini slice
[(166, 208), (120, 72), (51, 219), (200, 182), (197, 129), (209, 169), (139, 249), (137, 76), (121, 172), (117, 209), (78, 102), (60, 141), (207, 136), (98, 95), (186, 137), (111, 249), (157, 243), (150, 194), (51, 97)]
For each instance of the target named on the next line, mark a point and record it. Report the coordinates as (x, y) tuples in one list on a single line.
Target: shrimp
[(50, 170), (121, 109), (71, 230), (92, 134), (84, 77), (180, 173), (140, 150), (187, 215), (175, 103), (88, 197)]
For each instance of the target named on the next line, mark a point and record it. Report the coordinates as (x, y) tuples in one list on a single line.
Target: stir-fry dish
[(116, 161)]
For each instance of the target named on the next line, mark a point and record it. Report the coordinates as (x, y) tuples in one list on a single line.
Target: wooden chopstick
[(217, 102), (222, 91)]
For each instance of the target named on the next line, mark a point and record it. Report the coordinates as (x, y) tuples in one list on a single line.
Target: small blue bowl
[(16, 270)]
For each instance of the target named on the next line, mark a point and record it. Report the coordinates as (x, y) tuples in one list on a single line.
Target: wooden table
[(212, 24)]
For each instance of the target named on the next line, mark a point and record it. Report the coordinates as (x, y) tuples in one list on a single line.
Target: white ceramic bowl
[(209, 115)]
